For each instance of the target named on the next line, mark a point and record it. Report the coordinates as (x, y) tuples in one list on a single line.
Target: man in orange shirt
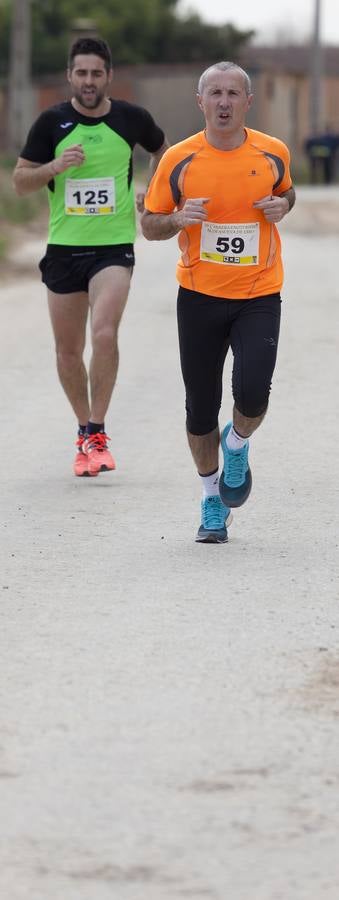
[(230, 275)]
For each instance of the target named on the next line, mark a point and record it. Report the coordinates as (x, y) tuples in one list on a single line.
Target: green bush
[(3, 247)]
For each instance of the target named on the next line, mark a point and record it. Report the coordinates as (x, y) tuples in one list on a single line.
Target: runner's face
[(224, 102), (89, 80)]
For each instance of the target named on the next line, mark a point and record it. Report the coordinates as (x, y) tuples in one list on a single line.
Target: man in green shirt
[(82, 150)]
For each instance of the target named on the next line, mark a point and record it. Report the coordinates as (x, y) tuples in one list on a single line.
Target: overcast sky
[(289, 18)]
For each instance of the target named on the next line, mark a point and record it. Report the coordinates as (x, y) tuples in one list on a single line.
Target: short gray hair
[(223, 67)]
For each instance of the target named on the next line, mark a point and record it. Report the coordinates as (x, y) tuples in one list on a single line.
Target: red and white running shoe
[(80, 465), (99, 458)]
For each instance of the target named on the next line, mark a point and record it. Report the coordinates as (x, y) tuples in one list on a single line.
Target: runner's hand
[(273, 208), (193, 211), (72, 156)]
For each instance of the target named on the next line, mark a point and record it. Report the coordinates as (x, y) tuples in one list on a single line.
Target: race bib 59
[(230, 244)]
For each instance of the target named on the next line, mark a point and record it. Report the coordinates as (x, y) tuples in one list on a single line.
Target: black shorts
[(70, 273), (207, 327)]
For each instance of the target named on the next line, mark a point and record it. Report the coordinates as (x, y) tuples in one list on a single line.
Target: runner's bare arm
[(160, 226), (30, 176), (290, 197), (156, 157), (153, 165), (275, 208)]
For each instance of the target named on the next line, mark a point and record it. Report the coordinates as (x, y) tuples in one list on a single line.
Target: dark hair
[(91, 45)]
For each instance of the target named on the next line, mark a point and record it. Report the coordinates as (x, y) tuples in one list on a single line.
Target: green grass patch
[(18, 210), (15, 210)]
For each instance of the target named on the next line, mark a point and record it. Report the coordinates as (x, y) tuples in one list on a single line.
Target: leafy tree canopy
[(138, 31)]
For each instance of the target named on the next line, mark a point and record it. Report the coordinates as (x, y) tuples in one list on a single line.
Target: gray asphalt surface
[(170, 711)]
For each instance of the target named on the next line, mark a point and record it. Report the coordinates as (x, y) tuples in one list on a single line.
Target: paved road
[(170, 711)]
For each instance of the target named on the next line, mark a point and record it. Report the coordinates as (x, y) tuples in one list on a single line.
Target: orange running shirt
[(236, 254)]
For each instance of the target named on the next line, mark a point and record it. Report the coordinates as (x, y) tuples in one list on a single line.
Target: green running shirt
[(92, 205)]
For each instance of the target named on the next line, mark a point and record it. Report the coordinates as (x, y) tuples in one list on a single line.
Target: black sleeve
[(148, 134), (39, 147)]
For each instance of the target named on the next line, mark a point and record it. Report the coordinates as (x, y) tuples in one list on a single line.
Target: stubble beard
[(89, 101)]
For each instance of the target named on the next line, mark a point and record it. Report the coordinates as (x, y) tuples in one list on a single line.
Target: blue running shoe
[(214, 519), (236, 480)]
